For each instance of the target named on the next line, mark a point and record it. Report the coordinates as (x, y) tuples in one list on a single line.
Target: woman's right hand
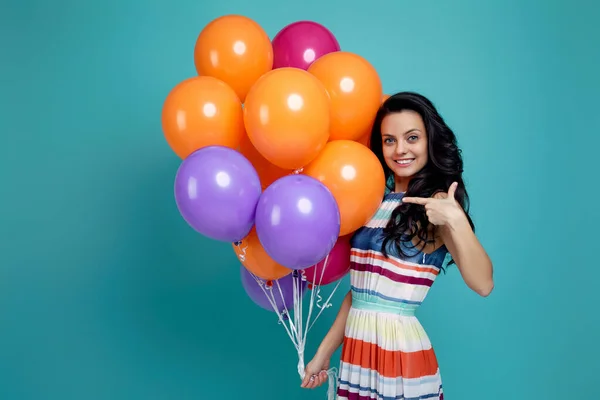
[(315, 373)]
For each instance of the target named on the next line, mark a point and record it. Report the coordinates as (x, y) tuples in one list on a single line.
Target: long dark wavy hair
[(444, 166)]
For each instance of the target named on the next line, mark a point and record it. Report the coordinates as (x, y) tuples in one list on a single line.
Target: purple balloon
[(256, 293), (216, 190), (297, 221), (300, 43)]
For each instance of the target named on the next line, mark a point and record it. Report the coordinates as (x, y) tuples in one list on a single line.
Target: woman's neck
[(400, 184)]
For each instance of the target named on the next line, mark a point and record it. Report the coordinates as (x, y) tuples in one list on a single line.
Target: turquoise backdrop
[(106, 293)]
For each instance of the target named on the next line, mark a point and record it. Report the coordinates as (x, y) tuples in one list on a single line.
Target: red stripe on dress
[(376, 269), (389, 363)]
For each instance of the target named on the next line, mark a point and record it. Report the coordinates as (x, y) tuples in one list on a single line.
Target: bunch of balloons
[(273, 138)]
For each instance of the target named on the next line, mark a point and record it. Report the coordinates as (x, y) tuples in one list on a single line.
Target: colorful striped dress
[(386, 353)]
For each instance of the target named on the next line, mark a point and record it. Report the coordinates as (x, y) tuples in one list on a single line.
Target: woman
[(398, 254)]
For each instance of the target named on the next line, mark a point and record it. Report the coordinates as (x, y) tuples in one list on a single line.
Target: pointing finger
[(416, 200)]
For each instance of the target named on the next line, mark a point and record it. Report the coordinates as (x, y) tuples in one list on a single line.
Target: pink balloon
[(338, 264), (300, 43)]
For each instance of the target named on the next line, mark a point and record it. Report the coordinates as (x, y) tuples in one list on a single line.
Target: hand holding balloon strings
[(284, 295)]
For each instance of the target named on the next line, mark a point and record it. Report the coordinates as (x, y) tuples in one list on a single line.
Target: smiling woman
[(397, 255), (420, 152), (404, 145)]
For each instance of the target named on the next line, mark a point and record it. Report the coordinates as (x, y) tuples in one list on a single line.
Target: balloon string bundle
[(296, 328)]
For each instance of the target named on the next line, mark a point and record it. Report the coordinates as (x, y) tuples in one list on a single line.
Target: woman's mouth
[(404, 162)]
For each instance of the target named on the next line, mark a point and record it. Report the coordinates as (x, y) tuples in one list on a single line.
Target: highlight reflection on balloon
[(304, 206), (223, 179), (346, 85)]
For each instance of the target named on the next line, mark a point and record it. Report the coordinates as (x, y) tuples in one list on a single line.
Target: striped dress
[(386, 353)]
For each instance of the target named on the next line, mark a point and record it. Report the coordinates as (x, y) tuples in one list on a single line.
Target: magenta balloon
[(300, 43), (216, 191), (333, 267)]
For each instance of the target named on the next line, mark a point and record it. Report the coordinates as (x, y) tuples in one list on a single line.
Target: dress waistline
[(408, 311)]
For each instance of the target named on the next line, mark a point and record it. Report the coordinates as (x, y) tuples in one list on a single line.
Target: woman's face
[(404, 141)]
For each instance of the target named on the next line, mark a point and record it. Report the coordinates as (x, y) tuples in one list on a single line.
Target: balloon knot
[(303, 273)]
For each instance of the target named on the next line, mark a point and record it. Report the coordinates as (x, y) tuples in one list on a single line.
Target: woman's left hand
[(442, 209)]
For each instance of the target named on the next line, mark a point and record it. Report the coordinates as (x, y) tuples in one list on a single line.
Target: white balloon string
[(318, 287), (298, 329), (292, 325), (332, 377), (242, 256), (326, 305), (297, 305), (332, 372), (314, 292), (274, 305), (298, 311)]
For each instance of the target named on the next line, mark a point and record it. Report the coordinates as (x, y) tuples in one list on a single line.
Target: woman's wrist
[(460, 223), (324, 352)]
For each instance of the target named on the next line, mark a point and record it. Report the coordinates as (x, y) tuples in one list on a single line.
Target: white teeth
[(404, 161)]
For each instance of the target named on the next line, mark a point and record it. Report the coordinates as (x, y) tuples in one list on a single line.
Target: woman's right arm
[(334, 338)]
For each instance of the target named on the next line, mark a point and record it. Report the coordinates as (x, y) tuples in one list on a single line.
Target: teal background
[(106, 293)]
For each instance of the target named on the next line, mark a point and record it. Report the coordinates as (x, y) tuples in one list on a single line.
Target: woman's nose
[(401, 148)]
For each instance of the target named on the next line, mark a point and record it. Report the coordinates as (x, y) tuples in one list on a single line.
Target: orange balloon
[(267, 172), (355, 90), (286, 115), (199, 112), (254, 257), (365, 140), (234, 49), (354, 176)]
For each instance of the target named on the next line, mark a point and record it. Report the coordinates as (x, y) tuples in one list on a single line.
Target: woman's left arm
[(471, 258)]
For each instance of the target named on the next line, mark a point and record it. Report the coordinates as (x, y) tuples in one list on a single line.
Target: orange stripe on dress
[(394, 262), (389, 363)]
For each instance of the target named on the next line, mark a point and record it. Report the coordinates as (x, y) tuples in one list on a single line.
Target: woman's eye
[(388, 140), (412, 138)]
